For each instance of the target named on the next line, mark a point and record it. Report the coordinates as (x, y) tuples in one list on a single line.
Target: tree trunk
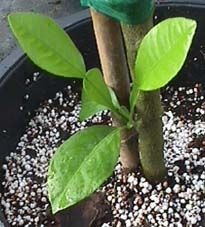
[(151, 143), (116, 74), (148, 109)]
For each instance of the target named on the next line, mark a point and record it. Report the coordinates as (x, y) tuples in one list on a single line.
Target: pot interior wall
[(13, 89)]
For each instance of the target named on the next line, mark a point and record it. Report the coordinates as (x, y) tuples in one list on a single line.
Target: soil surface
[(179, 200), (130, 199)]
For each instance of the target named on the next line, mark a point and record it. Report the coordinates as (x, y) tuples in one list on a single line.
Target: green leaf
[(120, 111), (133, 98), (88, 107), (124, 112), (97, 92), (47, 44), (114, 99), (163, 52), (96, 89), (81, 165)]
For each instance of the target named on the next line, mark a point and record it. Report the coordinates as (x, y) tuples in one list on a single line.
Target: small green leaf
[(96, 89), (114, 99), (88, 107), (81, 165), (133, 97), (47, 44), (163, 52), (120, 111)]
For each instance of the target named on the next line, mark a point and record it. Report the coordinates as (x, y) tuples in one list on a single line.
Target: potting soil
[(178, 201)]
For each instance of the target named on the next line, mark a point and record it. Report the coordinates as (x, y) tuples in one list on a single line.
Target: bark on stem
[(116, 74), (148, 109), (150, 136)]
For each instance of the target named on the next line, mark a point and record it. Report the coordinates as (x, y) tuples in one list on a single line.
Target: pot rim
[(189, 3)]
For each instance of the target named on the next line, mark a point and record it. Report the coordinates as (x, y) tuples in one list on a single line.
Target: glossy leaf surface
[(96, 89), (89, 107), (81, 165), (47, 44), (163, 52)]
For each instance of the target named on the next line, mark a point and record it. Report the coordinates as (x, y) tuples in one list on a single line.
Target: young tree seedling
[(88, 158)]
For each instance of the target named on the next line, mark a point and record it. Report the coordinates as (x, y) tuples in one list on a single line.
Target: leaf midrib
[(100, 93), (53, 51), (156, 65), (84, 160)]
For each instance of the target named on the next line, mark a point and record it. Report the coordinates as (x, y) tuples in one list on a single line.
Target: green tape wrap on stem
[(126, 11)]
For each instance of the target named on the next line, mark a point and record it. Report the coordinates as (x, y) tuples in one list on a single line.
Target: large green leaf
[(163, 52), (47, 44), (81, 165), (96, 89), (89, 107)]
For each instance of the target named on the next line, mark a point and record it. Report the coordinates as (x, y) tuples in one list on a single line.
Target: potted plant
[(121, 112)]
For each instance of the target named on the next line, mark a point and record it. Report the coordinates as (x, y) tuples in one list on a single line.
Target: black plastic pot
[(15, 69)]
